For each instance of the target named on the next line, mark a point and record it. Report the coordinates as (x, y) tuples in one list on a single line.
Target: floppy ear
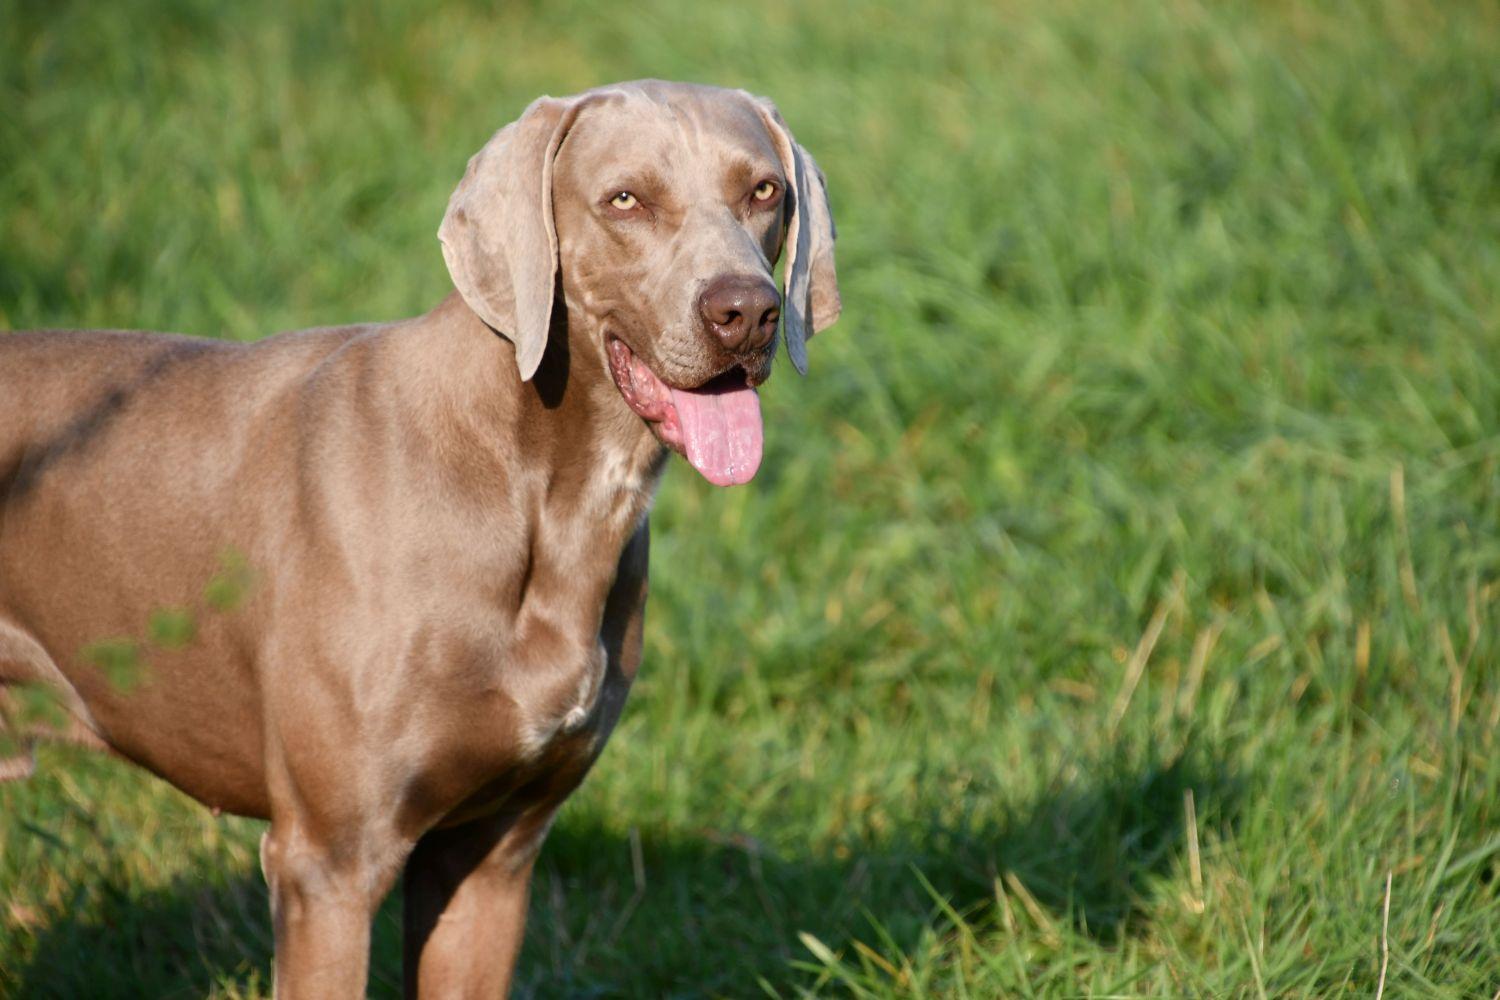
[(811, 297), (498, 236)]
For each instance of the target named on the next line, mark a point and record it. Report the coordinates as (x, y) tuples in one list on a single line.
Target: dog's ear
[(811, 285), (498, 236)]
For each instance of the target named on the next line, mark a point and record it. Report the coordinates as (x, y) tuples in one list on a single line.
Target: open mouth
[(716, 425)]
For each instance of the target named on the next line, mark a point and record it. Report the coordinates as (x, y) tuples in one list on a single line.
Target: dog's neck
[(593, 465)]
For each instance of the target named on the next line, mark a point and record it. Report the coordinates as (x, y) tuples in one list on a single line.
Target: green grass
[(1157, 456)]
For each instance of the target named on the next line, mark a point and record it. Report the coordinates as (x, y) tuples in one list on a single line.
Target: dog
[(383, 585)]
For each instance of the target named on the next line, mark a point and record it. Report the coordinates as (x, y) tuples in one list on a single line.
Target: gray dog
[(431, 533)]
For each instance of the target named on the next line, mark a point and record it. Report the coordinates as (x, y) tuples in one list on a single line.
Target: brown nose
[(741, 311)]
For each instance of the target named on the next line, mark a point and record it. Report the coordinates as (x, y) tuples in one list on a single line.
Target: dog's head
[(662, 208)]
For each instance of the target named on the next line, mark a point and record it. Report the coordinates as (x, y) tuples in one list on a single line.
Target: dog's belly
[(158, 675), (185, 715), (192, 736), (184, 711)]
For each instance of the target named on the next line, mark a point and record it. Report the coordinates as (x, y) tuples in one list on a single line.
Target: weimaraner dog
[(407, 561)]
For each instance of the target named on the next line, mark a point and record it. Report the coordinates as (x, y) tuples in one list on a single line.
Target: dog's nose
[(741, 311)]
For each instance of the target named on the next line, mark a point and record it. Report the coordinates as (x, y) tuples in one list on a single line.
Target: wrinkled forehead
[(677, 133)]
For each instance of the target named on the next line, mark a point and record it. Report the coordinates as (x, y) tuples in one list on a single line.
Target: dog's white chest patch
[(620, 488)]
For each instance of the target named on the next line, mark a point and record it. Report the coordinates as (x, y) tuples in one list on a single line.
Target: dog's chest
[(523, 739), (555, 679), (575, 712), (571, 661)]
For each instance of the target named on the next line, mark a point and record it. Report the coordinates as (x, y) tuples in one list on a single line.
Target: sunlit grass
[(1155, 459)]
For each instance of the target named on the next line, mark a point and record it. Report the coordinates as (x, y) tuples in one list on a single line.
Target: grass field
[(1118, 608)]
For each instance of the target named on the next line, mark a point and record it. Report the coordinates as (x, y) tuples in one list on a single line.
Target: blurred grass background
[(1117, 604)]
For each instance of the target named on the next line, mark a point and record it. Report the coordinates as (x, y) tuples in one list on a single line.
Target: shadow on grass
[(690, 915)]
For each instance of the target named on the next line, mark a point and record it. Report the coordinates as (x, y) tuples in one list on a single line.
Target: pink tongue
[(721, 430)]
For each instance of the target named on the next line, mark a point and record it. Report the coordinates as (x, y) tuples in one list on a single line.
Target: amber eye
[(765, 191), (624, 201)]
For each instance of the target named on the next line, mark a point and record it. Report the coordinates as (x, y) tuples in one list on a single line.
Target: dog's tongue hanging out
[(721, 430), (717, 425)]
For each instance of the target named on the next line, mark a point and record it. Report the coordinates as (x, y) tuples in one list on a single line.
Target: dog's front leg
[(322, 903), (466, 890)]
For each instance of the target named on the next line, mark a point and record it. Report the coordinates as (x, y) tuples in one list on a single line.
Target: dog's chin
[(716, 425)]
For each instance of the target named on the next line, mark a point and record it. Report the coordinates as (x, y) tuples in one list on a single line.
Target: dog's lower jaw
[(716, 425)]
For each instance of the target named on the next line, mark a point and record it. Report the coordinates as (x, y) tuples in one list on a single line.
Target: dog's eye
[(764, 191), (624, 201)]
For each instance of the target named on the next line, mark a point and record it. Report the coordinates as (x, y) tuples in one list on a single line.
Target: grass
[(1117, 606)]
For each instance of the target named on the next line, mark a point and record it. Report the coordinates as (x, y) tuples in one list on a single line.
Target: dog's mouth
[(716, 426)]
